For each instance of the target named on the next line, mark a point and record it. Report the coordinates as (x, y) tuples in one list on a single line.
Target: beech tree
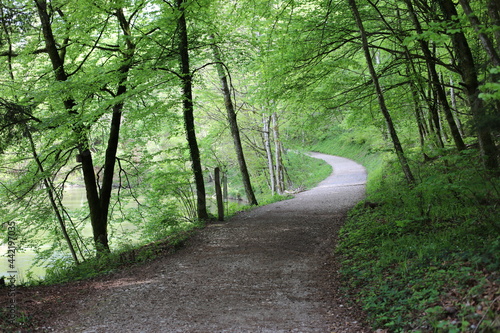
[(380, 95), (77, 103), (412, 59), (233, 125), (436, 82), (107, 82), (187, 101), (466, 62), (98, 199)]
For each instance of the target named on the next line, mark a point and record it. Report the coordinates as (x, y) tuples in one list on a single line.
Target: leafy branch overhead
[(138, 102)]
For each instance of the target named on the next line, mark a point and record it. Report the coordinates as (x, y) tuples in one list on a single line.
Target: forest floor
[(269, 269)]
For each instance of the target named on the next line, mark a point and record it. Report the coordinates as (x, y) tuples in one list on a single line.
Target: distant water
[(74, 199)]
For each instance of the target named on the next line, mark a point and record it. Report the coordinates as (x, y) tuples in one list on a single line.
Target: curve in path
[(270, 269)]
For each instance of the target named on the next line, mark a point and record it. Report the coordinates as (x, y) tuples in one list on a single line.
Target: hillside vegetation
[(424, 258)]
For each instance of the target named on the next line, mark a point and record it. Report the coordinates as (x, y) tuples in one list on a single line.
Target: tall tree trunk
[(187, 102), (99, 230), (385, 112), (470, 80), (98, 202), (453, 99), (434, 115), (486, 41), (269, 154), (436, 82), (483, 37), (114, 131), (278, 164), (49, 186), (494, 14), (416, 87), (233, 125), (218, 195), (418, 116)]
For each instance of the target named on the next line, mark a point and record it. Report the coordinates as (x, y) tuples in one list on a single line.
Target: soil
[(270, 269)]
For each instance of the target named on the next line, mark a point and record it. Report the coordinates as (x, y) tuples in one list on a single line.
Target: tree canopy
[(142, 99)]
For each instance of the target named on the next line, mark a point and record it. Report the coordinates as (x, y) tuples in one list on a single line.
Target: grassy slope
[(424, 259)]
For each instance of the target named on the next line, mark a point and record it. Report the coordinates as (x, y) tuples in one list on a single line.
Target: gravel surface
[(271, 269)]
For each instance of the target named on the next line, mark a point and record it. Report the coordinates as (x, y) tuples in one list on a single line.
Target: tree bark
[(453, 99), (418, 117), (441, 93), (380, 96), (269, 154), (98, 201), (278, 163), (114, 131), (218, 195), (99, 230), (233, 125), (483, 37), (494, 14), (434, 115), (188, 110), (470, 81), (486, 41)]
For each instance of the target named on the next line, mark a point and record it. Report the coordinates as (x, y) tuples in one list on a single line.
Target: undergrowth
[(63, 270), (166, 231), (424, 258)]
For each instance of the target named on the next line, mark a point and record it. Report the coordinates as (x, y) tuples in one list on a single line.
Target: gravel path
[(270, 269)]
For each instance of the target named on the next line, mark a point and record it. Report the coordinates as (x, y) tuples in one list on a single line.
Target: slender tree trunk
[(49, 188), (471, 83), (390, 126), (434, 115), (483, 37), (278, 164), (269, 154), (218, 195), (494, 14), (418, 117), (453, 99), (426, 120), (114, 131), (415, 88), (233, 125), (187, 101), (436, 82)]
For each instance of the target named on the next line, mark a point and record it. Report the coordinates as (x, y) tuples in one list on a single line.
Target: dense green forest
[(139, 101)]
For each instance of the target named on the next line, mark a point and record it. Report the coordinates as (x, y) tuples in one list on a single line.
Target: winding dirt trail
[(270, 269)]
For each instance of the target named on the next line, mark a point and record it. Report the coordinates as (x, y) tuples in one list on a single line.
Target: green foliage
[(363, 146), (426, 258), (304, 171), (269, 199), (63, 270), (298, 59), (167, 200)]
